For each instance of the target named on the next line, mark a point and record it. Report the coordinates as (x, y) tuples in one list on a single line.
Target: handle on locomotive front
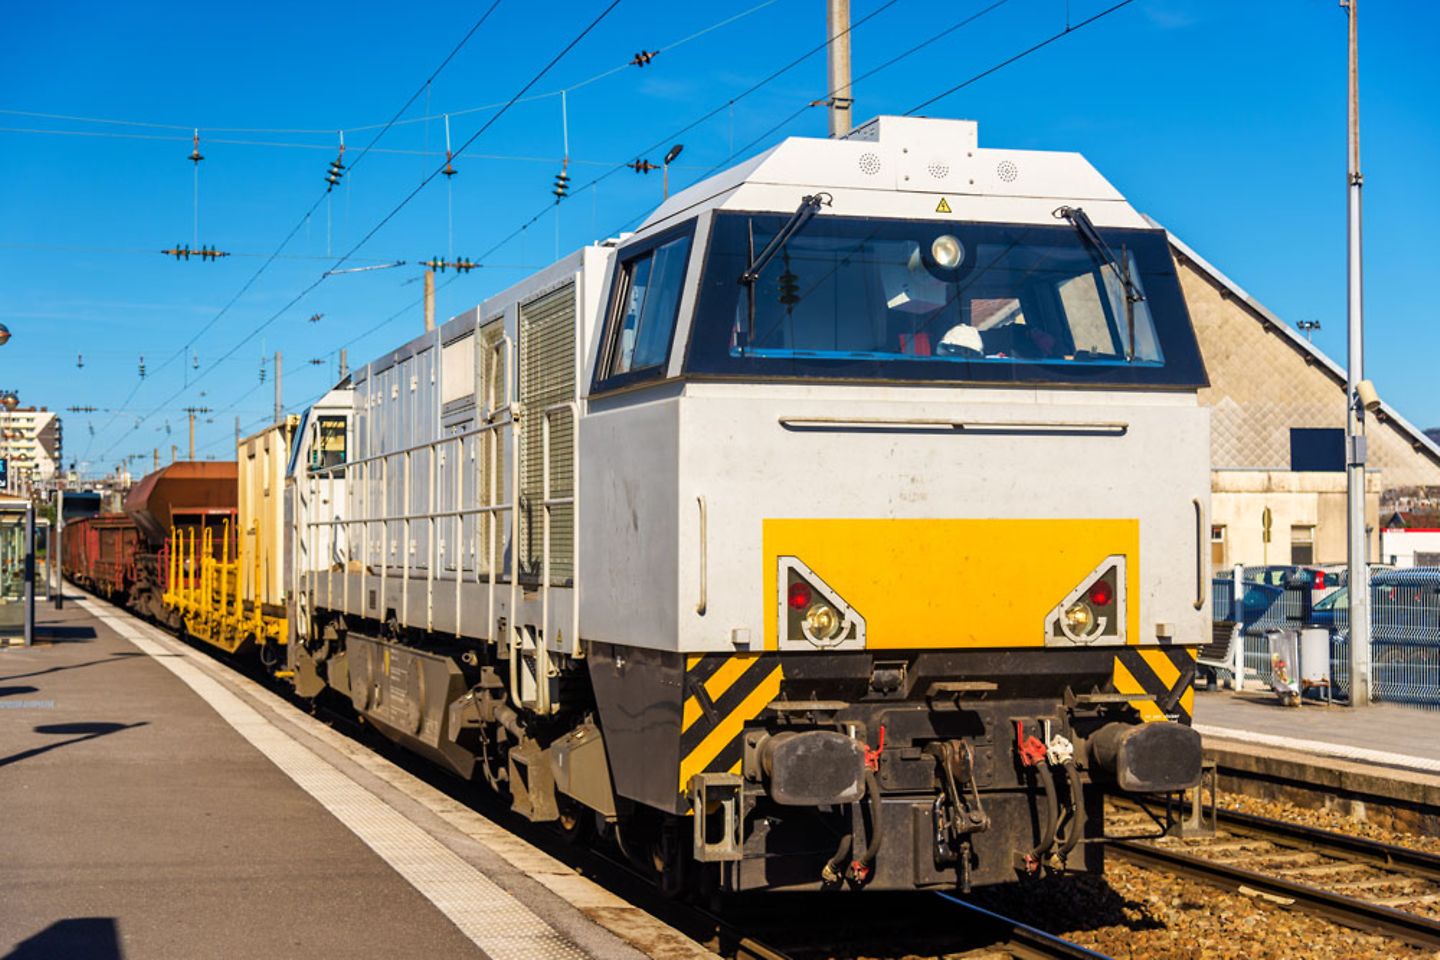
[(701, 604), (1200, 540)]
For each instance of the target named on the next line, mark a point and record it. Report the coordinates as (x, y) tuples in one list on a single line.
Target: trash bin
[(1284, 677), (1315, 661)]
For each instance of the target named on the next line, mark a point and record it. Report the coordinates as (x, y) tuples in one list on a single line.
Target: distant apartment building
[(1277, 439), (31, 445)]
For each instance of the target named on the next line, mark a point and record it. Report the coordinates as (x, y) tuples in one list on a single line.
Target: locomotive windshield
[(927, 300)]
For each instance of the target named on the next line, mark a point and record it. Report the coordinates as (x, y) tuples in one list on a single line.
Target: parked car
[(1403, 604), (1321, 580), (1333, 610)]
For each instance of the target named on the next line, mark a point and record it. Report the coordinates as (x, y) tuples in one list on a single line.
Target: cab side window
[(327, 445), (643, 311)]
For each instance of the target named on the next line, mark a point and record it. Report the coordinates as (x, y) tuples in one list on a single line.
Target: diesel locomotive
[(845, 525)]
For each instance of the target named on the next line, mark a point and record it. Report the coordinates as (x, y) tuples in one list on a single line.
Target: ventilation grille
[(939, 169), (869, 164), (1007, 171), (547, 377)]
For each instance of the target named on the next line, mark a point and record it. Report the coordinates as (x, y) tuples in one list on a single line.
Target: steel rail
[(1375, 853), (1386, 856), (1348, 911), (1024, 941)]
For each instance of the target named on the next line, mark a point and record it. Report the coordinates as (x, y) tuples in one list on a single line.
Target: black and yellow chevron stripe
[(1165, 674), (722, 692)]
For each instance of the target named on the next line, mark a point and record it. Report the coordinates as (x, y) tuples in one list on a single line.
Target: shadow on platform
[(114, 657), (79, 938), (64, 634), (78, 733), (12, 691)]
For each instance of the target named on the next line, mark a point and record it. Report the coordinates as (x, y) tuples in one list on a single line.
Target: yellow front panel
[(952, 583)]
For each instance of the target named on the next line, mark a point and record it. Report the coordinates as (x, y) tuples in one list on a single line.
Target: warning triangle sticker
[(943, 206)]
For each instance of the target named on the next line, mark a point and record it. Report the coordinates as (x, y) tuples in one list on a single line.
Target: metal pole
[(237, 432), (192, 434), (29, 574), (344, 364), (57, 538), (279, 404), (838, 26), (1357, 558), (1237, 654), (429, 300)]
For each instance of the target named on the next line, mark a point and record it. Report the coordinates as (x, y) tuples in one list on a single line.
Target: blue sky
[(1223, 120)]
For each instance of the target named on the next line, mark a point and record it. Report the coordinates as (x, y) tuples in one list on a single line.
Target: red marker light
[(799, 595), (1101, 594)]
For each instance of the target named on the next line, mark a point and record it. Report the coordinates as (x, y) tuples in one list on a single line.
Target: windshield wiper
[(1080, 220), (809, 206)]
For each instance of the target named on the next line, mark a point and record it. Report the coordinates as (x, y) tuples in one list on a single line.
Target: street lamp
[(4, 334), (665, 165), (1308, 327)]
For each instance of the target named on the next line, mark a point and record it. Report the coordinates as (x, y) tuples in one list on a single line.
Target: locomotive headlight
[(947, 252), (1080, 618), (822, 621)]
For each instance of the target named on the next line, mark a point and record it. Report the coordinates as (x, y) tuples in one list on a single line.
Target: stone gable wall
[(1262, 384)]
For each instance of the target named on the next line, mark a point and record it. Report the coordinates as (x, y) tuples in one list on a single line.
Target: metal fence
[(1405, 629)]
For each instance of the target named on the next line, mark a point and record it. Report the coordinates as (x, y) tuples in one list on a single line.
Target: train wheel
[(576, 821)]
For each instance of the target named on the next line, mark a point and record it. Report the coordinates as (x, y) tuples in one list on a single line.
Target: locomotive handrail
[(427, 444), (1039, 427)]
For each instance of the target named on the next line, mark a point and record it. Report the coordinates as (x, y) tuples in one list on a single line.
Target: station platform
[(156, 804), (1379, 763), (1386, 734)]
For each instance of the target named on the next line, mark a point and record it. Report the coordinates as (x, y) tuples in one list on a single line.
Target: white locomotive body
[(846, 523)]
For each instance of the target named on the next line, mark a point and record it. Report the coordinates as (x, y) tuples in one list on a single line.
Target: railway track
[(1370, 886)]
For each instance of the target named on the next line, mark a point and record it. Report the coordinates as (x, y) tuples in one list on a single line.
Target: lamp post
[(4, 334), (1359, 395), (665, 165), (1308, 327)]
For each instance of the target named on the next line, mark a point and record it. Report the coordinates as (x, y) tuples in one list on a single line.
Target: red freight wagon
[(100, 554)]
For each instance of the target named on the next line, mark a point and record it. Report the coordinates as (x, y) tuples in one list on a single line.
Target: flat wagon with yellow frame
[(227, 584)]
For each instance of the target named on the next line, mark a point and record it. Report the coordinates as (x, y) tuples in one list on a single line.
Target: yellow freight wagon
[(232, 594)]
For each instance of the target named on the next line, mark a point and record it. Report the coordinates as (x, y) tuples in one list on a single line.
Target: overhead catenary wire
[(254, 332), (1069, 29), (268, 418), (329, 148), (361, 128), (898, 58), (313, 207), (672, 136)]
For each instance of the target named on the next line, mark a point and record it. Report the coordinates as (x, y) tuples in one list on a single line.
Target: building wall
[(1310, 501), (1401, 546), (1262, 383), (29, 442)]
